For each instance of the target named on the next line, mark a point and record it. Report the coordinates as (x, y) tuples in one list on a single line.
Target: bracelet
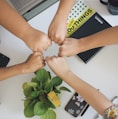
[(111, 112)]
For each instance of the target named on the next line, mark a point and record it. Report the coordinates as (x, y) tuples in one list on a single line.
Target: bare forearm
[(103, 38), (64, 8), (12, 21), (96, 99), (11, 71)]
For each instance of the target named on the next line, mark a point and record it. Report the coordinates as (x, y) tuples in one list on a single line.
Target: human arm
[(15, 23), (34, 62), (93, 97), (58, 27), (73, 46)]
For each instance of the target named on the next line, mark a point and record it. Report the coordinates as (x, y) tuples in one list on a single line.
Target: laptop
[(30, 8)]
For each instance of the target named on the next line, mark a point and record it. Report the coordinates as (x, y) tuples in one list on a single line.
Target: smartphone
[(76, 106), (4, 60)]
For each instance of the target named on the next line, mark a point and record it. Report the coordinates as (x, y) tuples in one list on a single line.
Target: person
[(34, 62), (72, 46), (35, 39), (96, 99), (58, 28)]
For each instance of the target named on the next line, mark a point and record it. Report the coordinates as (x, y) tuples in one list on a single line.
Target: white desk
[(101, 71)]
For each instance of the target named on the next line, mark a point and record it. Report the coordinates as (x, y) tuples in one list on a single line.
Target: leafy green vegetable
[(32, 84), (29, 109), (56, 81), (50, 114), (40, 108), (56, 90), (48, 87), (27, 89), (64, 89), (36, 94), (42, 75)]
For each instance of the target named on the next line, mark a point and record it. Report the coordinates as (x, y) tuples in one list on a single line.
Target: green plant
[(40, 95)]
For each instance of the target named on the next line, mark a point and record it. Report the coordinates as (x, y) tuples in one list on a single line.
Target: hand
[(57, 30), (70, 47), (37, 40), (34, 62), (58, 65)]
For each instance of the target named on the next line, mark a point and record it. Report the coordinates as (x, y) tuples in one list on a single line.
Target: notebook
[(84, 21), (30, 8)]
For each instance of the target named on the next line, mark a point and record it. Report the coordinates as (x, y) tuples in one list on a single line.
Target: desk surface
[(101, 71)]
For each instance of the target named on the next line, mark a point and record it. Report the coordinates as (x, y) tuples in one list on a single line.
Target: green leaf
[(34, 79), (27, 102), (29, 109), (41, 92), (49, 75), (34, 94), (48, 87), (49, 104), (50, 114), (56, 81), (32, 84), (27, 89), (42, 75), (57, 90), (40, 108), (43, 97), (64, 89)]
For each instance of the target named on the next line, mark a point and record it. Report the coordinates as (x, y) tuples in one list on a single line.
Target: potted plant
[(42, 95)]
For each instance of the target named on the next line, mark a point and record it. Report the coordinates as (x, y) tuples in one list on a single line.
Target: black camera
[(112, 6)]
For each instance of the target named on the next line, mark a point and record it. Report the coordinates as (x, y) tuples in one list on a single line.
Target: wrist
[(66, 74), (65, 8), (26, 33), (22, 68), (63, 16), (83, 45), (29, 36)]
